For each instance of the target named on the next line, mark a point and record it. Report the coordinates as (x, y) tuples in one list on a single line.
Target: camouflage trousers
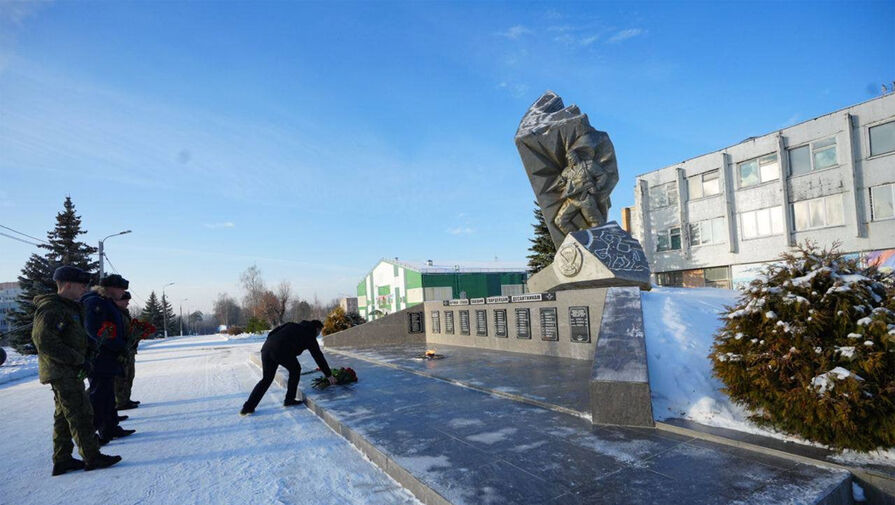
[(124, 384), (73, 418)]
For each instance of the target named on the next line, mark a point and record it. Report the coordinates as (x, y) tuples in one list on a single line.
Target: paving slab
[(452, 444)]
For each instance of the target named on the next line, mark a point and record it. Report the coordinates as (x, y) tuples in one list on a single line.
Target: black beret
[(114, 281), (126, 295), (69, 273)]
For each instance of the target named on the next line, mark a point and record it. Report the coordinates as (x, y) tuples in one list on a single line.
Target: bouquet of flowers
[(342, 375), (141, 329), (107, 331)]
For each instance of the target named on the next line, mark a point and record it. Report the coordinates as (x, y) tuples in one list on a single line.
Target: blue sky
[(313, 139)]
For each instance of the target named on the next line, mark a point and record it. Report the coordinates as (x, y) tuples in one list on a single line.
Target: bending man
[(282, 347)]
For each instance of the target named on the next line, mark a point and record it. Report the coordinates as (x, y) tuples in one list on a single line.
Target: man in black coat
[(282, 347)]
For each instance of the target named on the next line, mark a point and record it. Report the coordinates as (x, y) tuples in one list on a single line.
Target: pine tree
[(152, 312), (542, 248), (63, 248)]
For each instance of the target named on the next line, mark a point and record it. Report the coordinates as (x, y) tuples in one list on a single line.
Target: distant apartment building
[(348, 304), (9, 293), (394, 285), (717, 219)]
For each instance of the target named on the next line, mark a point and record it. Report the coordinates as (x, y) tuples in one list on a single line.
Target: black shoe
[(121, 433), (135, 402), (122, 418), (67, 466), (246, 412), (101, 440), (101, 461), (289, 403), (129, 405)]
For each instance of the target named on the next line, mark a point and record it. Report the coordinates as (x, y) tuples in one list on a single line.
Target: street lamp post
[(100, 250), (164, 310)]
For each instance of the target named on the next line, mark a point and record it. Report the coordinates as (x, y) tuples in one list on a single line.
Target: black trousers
[(102, 398), (269, 364)]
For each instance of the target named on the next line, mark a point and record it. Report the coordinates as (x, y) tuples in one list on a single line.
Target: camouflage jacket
[(59, 336)]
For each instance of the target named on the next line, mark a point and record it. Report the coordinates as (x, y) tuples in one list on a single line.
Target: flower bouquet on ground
[(342, 375)]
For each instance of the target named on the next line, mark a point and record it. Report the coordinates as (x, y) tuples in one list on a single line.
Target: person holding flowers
[(282, 347), (104, 324)]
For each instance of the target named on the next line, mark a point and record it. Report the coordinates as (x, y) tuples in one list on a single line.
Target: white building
[(718, 218), (9, 292)]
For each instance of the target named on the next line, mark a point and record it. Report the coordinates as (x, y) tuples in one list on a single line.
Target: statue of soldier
[(582, 183), (62, 347)]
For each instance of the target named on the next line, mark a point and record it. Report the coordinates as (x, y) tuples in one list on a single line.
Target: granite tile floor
[(471, 447)]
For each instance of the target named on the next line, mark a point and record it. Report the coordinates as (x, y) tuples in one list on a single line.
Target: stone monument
[(573, 169)]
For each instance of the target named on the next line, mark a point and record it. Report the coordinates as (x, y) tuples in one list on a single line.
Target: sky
[(312, 139)]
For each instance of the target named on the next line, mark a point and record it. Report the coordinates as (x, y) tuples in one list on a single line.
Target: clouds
[(515, 32), (461, 230), (623, 35), (218, 226)]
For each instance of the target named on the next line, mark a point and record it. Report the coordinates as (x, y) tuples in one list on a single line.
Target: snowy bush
[(810, 349)]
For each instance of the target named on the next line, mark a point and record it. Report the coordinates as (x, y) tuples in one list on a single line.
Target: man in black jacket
[(282, 347)]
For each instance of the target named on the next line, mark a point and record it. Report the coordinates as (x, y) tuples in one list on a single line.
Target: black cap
[(126, 295), (69, 273), (114, 281)]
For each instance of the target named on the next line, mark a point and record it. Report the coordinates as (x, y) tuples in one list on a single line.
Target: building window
[(438, 294), (882, 202), (815, 156), (449, 322), (759, 170), (707, 184), (436, 322), (663, 195), (668, 240), (674, 279), (762, 223), (818, 212), (710, 231), (512, 289), (882, 138), (717, 277)]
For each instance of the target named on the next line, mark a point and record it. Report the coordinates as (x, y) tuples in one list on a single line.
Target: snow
[(825, 381), (17, 366), (680, 324), (191, 445)]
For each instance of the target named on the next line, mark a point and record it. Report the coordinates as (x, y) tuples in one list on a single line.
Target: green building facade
[(394, 285)]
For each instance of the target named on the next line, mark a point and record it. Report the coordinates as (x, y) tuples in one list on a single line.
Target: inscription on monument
[(549, 327), (477, 301), (534, 297), (523, 323), (453, 303), (579, 323), (498, 299), (449, 322), (500, 323), (464, 322), (436, 322), (415, 322), (481, 323)]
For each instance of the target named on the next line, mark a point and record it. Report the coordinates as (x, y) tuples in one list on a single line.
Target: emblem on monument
[(569, 260)]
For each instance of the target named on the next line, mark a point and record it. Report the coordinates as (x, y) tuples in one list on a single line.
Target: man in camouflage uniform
[(62, 347), (125, 383)]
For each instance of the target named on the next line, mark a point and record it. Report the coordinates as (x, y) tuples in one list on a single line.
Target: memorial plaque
[(477, 301), (449, 322), (523, 323), (498, 299), (534, 297), (549, 327), (464, 322), (481, 323), (579, 323), (436, 322), (453, 303), (415, 322), (500, 323)]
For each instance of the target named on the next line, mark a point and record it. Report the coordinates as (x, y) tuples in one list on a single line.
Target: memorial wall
[(564, 324)]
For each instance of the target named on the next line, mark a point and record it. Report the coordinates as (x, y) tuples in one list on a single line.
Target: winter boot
[(67, 466), (101, 461), (289, 403)]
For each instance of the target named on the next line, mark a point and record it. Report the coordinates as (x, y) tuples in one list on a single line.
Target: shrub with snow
[(810, 349)]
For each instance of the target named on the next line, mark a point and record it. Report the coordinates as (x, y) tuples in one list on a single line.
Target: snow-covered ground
[(680, 324), (191, 445), (17, 366)]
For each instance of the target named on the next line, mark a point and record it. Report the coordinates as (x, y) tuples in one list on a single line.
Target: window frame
[(664, 187), (824, 203), (668, 234), (873, 217), (757, 160), (710, 223), (770, 210), (812, 150), (870, 153), (701, 176)]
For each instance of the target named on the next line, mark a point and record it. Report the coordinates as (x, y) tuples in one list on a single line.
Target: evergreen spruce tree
[(63, 248), (542, 248), (152, 312)]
